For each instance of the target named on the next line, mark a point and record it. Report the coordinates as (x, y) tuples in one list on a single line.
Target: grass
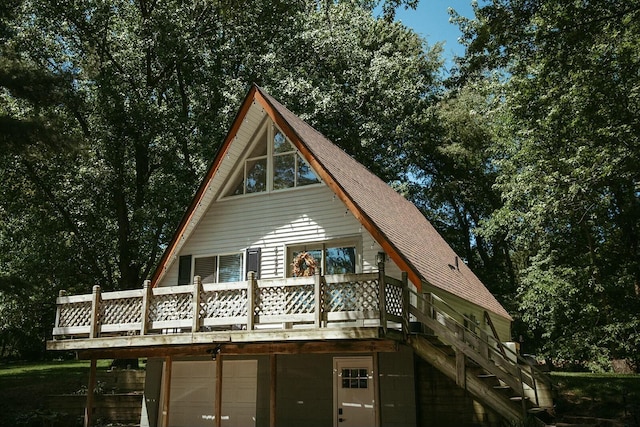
[(24, 387), (610, 396)]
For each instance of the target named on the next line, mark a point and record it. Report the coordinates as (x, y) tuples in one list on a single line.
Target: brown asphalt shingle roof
[(404, 227)]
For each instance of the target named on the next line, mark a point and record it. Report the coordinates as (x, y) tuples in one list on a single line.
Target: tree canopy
[(567, 166), (147, 90)]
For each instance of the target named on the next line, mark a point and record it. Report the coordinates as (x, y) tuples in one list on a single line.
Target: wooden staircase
[(479, 363)]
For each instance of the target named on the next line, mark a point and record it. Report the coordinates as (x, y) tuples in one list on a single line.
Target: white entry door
[(193, 390), (354, 392)]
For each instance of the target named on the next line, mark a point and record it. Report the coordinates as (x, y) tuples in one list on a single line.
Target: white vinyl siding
[(502, 325), (273, 221)]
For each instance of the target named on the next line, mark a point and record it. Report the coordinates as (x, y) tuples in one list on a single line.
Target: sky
[(431, 21)]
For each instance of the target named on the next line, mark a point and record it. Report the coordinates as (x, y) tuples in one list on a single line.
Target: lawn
[(25, 386), (610, 396)]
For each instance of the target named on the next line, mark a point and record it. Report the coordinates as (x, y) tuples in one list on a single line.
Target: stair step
[(486, 376), (501, 387), (518, 398), (573, 425)]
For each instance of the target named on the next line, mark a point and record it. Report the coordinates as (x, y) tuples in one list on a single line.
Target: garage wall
[(305, 390)]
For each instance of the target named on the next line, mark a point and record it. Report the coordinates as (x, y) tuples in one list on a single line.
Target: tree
[(568, 172), (454, 181), (150, 89)]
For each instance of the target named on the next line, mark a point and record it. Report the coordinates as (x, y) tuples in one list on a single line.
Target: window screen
[(230, 268), (206, 269)]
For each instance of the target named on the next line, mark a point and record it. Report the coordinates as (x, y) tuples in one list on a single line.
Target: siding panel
[(271, 221)]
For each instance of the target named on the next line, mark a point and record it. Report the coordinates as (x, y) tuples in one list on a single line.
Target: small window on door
[(355, 378)]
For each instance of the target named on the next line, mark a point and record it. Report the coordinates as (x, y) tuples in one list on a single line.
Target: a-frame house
[(300, 289)]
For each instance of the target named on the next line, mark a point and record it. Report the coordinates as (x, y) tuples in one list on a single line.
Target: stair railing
[(484, 349)]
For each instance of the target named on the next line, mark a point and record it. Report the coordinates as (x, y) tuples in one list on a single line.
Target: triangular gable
[(395, 223)]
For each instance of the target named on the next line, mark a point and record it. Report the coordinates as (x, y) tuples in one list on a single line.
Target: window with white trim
[(273, 164), (335, 257), (219, 268)]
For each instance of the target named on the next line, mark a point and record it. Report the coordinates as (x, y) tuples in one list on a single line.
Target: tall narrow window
[(256, 178), (284, 163), (184, 270), (230, 268)]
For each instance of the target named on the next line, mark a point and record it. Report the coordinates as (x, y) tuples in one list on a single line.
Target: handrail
[(511, 353), (475, 345)]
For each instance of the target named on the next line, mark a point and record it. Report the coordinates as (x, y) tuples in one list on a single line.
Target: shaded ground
[(24, 387), (605, 396)]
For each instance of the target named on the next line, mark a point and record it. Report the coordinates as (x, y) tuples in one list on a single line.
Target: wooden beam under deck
[(217, 337), (233, 349)]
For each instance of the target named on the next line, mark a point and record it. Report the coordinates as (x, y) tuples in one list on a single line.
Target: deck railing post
[(405, 304), (382, 287), (147, 291), (94, 329), (197, 292), (251, 303), (484, 344), (59, 307), (317, 291)]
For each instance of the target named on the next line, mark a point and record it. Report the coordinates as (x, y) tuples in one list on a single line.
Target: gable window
[(334, 257), (273, 164), (219, 268)]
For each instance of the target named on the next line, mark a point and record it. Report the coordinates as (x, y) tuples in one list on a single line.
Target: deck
[(351, 306), (319, 314)]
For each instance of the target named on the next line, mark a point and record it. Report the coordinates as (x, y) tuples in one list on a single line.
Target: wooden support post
[(405, 305), (461, 369), (534, 385), (166, 388), (251, 303), (382, 288), (88, 410), (523, 398), (147, 293), (377, 386), (197, 292), (484, 345), (319, 308), (94, 330), (487, 318), (272, 392), (218, 403)]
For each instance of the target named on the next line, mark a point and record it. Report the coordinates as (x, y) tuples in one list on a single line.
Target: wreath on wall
[(304, 264)]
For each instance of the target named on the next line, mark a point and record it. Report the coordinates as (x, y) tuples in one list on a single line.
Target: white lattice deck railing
[(314, 302)]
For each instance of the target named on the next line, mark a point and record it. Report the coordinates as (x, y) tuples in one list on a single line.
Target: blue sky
[(431, 21)]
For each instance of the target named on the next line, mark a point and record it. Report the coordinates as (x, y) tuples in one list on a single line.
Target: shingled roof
[(410, 239), (397, 225)]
